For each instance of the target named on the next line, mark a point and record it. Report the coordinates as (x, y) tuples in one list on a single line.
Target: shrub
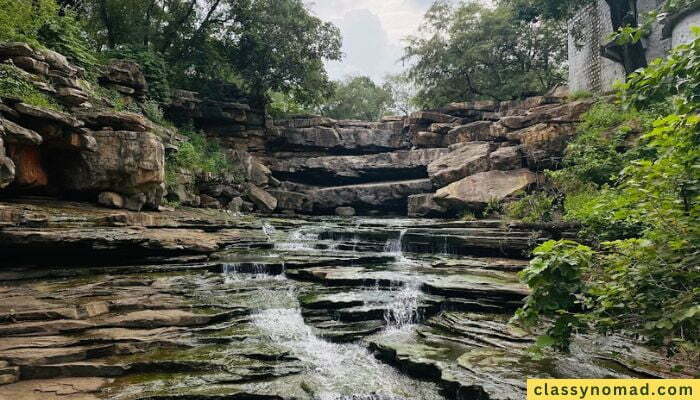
[(65, 34), (554, 276), (14, 84), (20, 20), (200, 155), (537, 207)]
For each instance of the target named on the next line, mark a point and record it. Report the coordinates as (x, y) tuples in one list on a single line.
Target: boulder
[(18, 134), (125, 73), (209, 202), (380, 137), (31, 64), (111, 200), (118, 121), (128, 163), (461, 108), (427, 139), (58, 62), (544, 144), (424, 206), (236, 204), (294, 201), (506, 158), (466, 159), (476, 191), (7, 171), (345, 211), (475, 131), (263, 200), (442, 128), (71, 96), (15, 49), (44, 114)]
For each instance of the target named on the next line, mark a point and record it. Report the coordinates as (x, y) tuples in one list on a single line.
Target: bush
[(646, 195), (537, 207), (200, 155), (20, 20), (65, 34), (14, 84)]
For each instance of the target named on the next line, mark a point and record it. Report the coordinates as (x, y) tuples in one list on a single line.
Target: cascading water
[(337, 371), (395, 246), (299, 240)]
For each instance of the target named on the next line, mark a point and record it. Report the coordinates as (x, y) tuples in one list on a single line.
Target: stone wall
[(590, 28)]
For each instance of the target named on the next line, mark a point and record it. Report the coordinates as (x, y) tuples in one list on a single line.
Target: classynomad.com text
[(613, 389)]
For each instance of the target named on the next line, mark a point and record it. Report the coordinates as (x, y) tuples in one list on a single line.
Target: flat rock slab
[(371, 195)]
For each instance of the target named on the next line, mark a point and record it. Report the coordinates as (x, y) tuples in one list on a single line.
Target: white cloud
[(372, 33)]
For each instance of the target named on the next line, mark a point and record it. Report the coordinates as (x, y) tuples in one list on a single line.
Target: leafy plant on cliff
[(21, 20), (199, 154), (645, 200), (13, 83)]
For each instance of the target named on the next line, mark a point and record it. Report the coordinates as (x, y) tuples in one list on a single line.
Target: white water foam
[(338, 371), (394, 247)]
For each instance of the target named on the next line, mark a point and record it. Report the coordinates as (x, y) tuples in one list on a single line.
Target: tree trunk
[(624, 13), (104, 15)]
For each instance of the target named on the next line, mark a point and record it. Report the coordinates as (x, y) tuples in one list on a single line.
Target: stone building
[(590, 70)]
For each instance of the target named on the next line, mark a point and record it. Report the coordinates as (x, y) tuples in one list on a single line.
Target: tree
[(623, 14), (470, 51), (261, 45), (358, 98), (402, 92)]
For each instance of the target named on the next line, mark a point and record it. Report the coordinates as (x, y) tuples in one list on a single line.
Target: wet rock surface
[(272, 308)]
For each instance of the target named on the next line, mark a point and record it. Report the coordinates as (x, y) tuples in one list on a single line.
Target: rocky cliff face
[(431, 163), (86, 151)]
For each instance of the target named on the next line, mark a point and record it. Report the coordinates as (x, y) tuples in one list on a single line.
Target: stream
[(362, 309)]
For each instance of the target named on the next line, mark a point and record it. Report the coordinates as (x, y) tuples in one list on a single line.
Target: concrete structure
[(589, 30)]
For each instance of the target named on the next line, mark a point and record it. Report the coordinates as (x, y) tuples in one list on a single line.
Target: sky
[(372, 33)]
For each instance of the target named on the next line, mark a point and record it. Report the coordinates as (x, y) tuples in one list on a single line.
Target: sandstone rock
[(15, 49), (125, 73), (236, 204), (477, 190), (29, 171), (31, 64), (7, 171), (424, 206), (307, 122), (128, 163), (466, 159), (339, 170), (247, 206), (111, 200), (262, 199), (58, 62), (519, 121), (209, 202), (370, 195), (475, 131), (544, 144), (377, 138), (345, 211), (425, 139), (294, 201), (118, 121), (44, 114), (481, 105), (442, 128), (430, 117), (18, 134), (72, 96), (80, 141), (506, 158)]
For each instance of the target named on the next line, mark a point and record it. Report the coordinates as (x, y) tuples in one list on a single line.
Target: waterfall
[(236, 272), (268, 230), (299, 240), (395, 246), (403, 311)]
